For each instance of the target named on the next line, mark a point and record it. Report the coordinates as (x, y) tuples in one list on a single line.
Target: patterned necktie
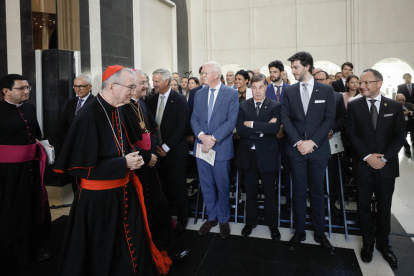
[(305, 97), (374, 113), (278, 87), (210, 106), (410, 89), (159, 118), (79, 105), (258, 108)]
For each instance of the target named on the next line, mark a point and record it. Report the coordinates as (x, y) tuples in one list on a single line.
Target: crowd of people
[(126, 151)]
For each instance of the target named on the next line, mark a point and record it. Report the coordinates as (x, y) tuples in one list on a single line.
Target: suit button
[(206, 122)]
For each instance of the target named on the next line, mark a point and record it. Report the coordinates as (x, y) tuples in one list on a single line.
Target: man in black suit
[(339, 85), (308, 114), (407, 88), (409, 121), (82, 86), (340, 118), (176, 76), (376, 131), (258, 154), (170, 110)]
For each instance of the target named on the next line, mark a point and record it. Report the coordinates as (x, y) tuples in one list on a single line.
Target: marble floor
[(402, 209)]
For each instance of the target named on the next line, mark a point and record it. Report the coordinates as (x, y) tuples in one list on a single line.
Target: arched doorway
[(392, 70), (265, 71), (329, 67)]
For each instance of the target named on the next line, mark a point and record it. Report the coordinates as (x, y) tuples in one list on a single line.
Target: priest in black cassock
[(107, 231), (24, 208), (159, 218)]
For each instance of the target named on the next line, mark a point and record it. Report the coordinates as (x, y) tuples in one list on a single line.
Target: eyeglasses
[(143, 83), (80, 86), (129, 87), (205, 73), (320, 80), (21, 89), (367, 82)]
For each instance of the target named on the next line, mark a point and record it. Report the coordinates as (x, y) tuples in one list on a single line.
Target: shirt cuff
[(314, 143), (165, 147), (297, 143), (251, 125), (365, 159), (198, 136)]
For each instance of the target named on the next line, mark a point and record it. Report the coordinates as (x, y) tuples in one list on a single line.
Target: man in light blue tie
[(216, 108)]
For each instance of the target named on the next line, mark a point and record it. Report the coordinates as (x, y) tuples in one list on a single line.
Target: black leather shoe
[(43, 254), (366, 253), (179, 228), (335, 211), (274, 234), (180, 254), (388, 255), (247, 230), (294, 242), (326, 245)]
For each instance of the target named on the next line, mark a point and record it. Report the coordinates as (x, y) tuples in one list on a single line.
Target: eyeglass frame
[(130, 87), (80, 86), (22, 88), (206, 73), (367, 82)]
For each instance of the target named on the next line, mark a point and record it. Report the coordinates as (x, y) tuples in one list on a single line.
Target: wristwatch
[(383, 160)]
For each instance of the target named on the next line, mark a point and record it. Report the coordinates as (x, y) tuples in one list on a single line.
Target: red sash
[(27, 153), (145, 143), (161, 259)]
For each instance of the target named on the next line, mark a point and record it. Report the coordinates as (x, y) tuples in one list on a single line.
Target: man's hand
[(208, 141), (161, 152), (330, 134), (305, 147), (190, 139), (406, 113), (204, 149), (273, 120), (153, 161), (134, 161), (280, 133), (248, 123), (374, 161)]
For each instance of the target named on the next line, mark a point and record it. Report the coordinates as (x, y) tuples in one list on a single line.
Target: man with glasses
[(376, 131), (24, 208)]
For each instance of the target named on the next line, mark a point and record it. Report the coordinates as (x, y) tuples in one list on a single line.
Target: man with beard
[(159, 219), (24, 207), (275, 91), (308, 113), (107, 231)]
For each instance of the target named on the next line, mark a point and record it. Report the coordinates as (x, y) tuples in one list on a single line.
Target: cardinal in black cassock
[(107, 231), (24, 209)]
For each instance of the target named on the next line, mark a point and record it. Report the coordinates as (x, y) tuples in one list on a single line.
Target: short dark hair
[(201, 68), (251, 72), (337, 73), (305, 59), (407, 74), (8, 81), (277, 64), (258, 78), (244, 74), (195, 79), (347, 64), (184, 78), (326, 74), (377, 74)]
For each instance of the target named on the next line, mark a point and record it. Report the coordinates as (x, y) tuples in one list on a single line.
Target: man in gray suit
[(216, 108)]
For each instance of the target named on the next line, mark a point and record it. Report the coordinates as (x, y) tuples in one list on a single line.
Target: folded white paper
[(209, 157)]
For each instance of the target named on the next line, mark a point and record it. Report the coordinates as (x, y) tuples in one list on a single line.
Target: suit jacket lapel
[(264, 108), (168, 104), (313, 96), (298, 100), (382, 110), (154, 105), (220, 96), (365, 111)]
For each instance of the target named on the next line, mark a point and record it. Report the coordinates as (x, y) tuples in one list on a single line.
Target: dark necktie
[(278, 87), (79, 105), (409, 88), (374, 113), (258, 108)]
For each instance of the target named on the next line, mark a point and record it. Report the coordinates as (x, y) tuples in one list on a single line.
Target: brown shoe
[(206, 227), (224, 230)]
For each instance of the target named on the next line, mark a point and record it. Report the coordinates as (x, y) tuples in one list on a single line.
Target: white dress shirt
[(84, 99), (164, 146), (344, 81), (377, 104), (208, 100), (275, 87)]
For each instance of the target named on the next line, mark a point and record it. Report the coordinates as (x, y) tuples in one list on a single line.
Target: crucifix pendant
[(142, 124)]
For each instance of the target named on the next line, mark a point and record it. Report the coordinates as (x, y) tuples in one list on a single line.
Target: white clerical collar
[(136, 101), (17, 105)]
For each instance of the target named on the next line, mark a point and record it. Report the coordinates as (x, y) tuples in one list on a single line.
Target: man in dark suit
[(214, 117), (170, 110), (376, 131), (176, 76), (258, 154), (82, 86), (338, 126), (308, 114), (275, 91), (339, 85), (409, 121), (407, 89), (194, 91)]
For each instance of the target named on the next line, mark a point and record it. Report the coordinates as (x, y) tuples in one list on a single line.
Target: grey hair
[(139, 71), (165, 74), (230, 71), (85, 77), (401, 95), (215, 66), (116, 77)]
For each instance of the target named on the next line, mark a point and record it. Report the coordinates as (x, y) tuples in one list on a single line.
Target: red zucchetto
[(110, 71)]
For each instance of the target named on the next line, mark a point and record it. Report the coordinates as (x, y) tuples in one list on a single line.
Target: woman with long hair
[(352, 84)]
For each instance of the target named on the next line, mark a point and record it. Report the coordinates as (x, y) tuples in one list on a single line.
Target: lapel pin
[(316, 90), (385, 104), (265, 106)]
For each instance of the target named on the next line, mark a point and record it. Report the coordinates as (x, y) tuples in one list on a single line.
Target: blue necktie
[(78, 106), (210, 106)]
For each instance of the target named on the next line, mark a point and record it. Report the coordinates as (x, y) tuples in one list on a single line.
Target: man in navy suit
[(275, 91), (308, 114), (214, 117)]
